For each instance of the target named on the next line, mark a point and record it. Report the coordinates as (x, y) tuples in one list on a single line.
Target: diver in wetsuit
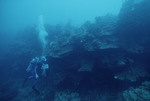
[(35, 63)]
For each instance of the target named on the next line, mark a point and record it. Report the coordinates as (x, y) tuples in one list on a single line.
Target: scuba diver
[(35, 63)]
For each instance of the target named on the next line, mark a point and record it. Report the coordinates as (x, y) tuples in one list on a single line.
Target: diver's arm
[(35, 70), (44, 67), (30, 65)]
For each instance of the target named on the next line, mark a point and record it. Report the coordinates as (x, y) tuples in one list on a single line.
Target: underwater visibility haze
[(74, 50), (22, 13)]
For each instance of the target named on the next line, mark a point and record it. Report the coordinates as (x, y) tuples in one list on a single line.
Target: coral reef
[(132, 74), (90, 37), (140, 93), (67, 96)]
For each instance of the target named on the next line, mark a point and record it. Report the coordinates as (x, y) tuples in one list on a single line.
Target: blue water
[(96, 50)]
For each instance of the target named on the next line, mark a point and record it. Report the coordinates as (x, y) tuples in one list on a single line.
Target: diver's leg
[(34, 86)]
